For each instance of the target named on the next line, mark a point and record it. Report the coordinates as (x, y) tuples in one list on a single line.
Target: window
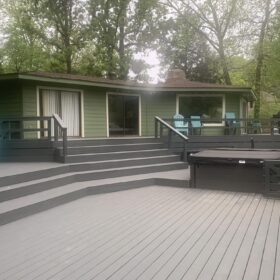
[(66, 104), (209, 108)]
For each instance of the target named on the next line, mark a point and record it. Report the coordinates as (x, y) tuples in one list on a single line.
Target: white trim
[(38, 109), (82, 113), (139, 109), (241, 112), (81, 92), (204, 95)]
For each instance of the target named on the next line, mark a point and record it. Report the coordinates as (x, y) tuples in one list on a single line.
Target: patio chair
[(232, 125), (196, 125), (255, 127), (180, 124)]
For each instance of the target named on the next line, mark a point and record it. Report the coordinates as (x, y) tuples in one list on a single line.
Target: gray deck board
[(228, 246), (149, 233)]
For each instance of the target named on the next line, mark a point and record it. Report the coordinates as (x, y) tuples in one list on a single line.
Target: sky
[(152, 59)]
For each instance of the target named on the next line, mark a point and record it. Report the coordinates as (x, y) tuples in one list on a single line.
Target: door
[(70, 112), (66, 104), (123, 115)]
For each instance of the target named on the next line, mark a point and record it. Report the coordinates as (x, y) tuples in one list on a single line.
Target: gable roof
[(173, 85)]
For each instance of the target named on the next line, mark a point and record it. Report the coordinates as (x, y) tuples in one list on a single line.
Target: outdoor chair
[(180, 124), (232, 124), (255, 127), (196, 125)]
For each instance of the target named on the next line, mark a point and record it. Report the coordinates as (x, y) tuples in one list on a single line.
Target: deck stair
[(91, 166)]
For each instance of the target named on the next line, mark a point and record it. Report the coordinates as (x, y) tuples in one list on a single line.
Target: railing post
[(252, 143), (64, 141), (156, 128), (10, 132), (160, 130), (55, 130), (185, 152), (49, 128), (169, 138)]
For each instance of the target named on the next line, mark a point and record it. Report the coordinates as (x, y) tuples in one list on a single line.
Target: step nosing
[(117, 152), (35, 198), (115, 145)]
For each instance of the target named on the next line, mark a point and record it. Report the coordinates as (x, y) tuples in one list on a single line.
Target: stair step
[(18, 208), (111, 141), (113, 148), (75, 167), (115, 155), (40, 185)]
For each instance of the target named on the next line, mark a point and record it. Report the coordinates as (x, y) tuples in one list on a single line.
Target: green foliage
[(119, 28), (182, 47), (232, 41)]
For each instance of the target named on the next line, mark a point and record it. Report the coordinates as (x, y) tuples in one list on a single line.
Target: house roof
[(171, 85)]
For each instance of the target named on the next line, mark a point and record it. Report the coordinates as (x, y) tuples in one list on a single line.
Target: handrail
[(9, 126), (59, 125), (181, 135), (245, 125), (171, 129)]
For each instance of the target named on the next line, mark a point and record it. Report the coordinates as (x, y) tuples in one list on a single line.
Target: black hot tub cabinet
[(230, 169)]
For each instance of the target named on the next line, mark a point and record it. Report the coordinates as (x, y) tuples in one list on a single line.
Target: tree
[(120, 27), (216, 23), (182, 47), (268, 9), (63, 29), (21, 49)]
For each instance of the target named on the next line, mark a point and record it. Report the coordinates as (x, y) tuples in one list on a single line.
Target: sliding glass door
[(123, 115)]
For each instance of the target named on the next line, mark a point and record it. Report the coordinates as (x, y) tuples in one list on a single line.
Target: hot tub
[(230, 169)]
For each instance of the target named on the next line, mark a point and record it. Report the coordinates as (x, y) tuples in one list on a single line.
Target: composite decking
[(149, 233)]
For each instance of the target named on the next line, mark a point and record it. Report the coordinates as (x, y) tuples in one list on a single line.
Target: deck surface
[(149, 233)]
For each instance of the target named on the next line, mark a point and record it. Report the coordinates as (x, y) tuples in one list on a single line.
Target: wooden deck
[(149, 233)]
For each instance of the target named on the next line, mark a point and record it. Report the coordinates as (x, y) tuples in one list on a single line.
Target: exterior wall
[(10, 101), (162, 105), (95, 121), (24, 102), (29, 108)]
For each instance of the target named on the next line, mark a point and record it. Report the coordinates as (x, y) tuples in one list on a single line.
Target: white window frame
[(204, 95), (139, 109), (82, 116)]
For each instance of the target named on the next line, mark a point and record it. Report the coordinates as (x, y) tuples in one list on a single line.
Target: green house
[(95, 107)]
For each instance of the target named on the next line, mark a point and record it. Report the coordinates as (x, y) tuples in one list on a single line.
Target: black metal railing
[(224, 126), (34, 128), (60, 130), (20, 128), (161, 125)]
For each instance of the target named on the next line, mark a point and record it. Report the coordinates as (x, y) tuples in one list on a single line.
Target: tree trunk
[(223, 60), (260, 61), (123, 62)]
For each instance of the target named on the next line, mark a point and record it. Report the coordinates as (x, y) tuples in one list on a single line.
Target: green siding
[(29, 108), (95, 122), (10, 101), (29, 101), (161, 105), (17, 102)]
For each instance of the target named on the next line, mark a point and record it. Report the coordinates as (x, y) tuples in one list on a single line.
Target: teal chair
[(196, 125), (180, 124), (232, 125), (255, 127)]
